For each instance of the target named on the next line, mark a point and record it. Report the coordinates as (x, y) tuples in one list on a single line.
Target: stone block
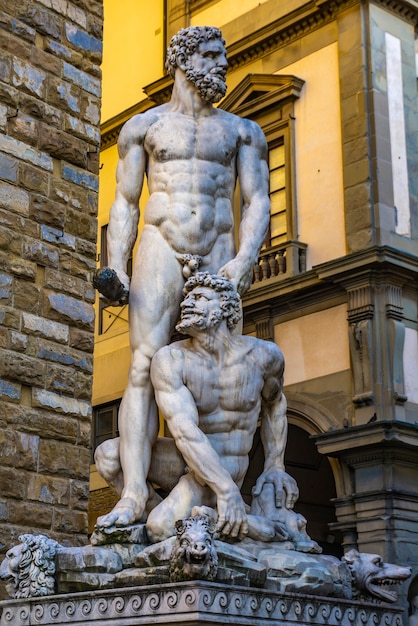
[(64, 356), (17, 47), (357, 173), (9, 240), (82, 386), (62, 145), (10, 317), (84, 41), (60, 379), (60, 404), (3, 117), (79, 494), (13, 199), (90, 109), (77, 15), (28, 78), (95, 26), (13, 485), (49, 489), (45, 211), (82, 130), (19, 450), (27, 297), (32, 420), (359, 239), (70, 582), (355, 150), (78, 265), (25, 152), (33, 179), (67, 309), (357, 196), (82, 79), (63, 459), (27, 513), (80, 177), (44, 21), (18, 342), (17, 27), (5, 67), (64, 95), (80, 224), (6, 284), (25, 128), (40, 253), (81, 340), (8, 168), (41, 110), (62, 52), (9, 391), (67, 521), (88, 559), (64, 282), (84, 434), (47, 61), (9, 96), (22, 268), (354, 128), (22, 368), (58, 236)]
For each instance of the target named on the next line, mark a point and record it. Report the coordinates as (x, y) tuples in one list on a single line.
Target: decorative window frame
[(268, 99)]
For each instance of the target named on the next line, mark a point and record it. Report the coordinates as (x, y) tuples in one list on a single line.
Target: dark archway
[(312, 471)]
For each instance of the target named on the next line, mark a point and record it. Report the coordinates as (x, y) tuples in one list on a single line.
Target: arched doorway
[(312, 471)]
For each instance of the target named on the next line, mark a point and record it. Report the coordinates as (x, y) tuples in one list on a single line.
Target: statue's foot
[(124, 513)]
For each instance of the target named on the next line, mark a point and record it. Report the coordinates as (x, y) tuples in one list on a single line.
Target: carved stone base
[(194, 603)]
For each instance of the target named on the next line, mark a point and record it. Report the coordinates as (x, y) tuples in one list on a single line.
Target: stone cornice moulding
[(349, 442), (261, 42), (195, 602)]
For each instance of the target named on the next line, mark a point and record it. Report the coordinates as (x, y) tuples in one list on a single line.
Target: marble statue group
[(211, 388), (180, 514)]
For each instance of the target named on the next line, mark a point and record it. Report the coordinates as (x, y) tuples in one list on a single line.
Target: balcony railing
[(282, 261)]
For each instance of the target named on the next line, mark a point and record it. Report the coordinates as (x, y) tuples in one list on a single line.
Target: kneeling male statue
[(212, 388)]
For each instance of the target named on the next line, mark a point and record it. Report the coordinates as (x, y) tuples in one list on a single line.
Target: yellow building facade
[(333, 85)]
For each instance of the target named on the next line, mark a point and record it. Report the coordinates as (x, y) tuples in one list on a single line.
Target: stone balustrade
[(281, 261)]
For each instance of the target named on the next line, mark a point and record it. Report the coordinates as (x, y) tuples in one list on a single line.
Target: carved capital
[(360, 303)]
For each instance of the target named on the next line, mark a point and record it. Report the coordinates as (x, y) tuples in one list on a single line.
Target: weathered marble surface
[(192, 154)]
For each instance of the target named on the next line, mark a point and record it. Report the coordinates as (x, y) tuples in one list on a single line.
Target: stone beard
[(197, 319), (211, 86)]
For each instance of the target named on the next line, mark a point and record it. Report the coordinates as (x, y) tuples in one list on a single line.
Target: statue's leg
[(107, 460), (154, 305), (179, 503)]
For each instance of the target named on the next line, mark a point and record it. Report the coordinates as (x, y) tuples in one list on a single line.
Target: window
[(278, 203), (110, 317), (268, 99), (105, 423)]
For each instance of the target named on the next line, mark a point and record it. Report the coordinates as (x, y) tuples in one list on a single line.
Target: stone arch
[(315, 420), (315, 474)]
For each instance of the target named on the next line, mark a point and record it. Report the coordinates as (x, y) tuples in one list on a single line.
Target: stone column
[(50, 91)]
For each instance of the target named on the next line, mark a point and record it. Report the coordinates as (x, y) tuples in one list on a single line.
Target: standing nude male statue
[(192, 154)]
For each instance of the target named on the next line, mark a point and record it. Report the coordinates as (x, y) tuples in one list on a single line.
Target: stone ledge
[(194, 603)]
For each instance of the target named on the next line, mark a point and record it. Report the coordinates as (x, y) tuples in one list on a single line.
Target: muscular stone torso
[(228, 400), (191, 178)]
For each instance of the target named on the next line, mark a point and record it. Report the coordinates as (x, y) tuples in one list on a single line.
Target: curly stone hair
[(230, 301), (186, 42)]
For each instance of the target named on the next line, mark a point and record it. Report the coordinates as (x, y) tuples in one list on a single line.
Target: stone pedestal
[(194, 603)]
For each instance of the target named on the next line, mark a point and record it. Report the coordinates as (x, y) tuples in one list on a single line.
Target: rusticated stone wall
[(50, 87)]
